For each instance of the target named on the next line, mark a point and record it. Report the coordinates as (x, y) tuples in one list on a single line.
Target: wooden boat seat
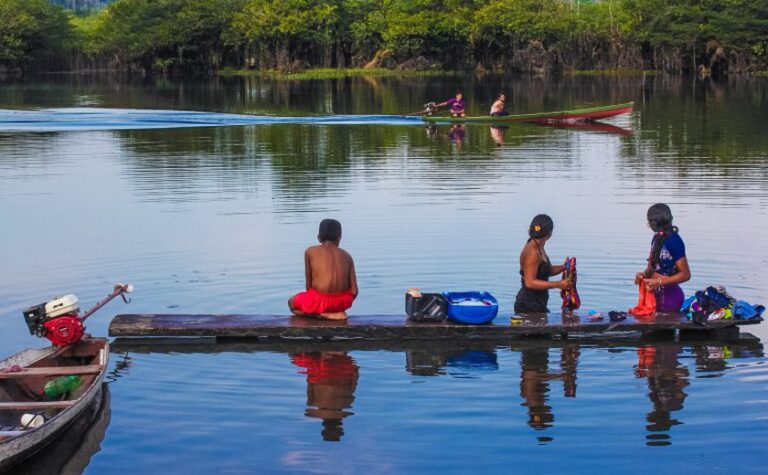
[(53, 371), (30, 405)]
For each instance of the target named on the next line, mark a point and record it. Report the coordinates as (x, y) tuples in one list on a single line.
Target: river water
[(209, 211)]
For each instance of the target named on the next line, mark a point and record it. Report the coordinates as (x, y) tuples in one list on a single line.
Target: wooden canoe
[(21, 392), (575, 115)]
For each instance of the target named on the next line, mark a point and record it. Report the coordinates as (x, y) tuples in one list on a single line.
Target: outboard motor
[(430, 108), (60, 320)]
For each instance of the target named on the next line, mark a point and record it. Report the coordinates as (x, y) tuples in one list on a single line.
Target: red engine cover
[(64, 330)]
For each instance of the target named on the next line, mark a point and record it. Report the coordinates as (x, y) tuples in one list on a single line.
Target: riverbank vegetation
[(331, 73), (290, 36)]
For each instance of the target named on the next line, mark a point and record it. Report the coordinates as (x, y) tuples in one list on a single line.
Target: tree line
[(203, 36)]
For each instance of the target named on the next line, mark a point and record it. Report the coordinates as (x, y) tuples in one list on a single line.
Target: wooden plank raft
[(396, 327)]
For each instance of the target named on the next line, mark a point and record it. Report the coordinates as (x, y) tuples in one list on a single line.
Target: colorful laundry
[(646, 303), (570, 295), (745, 311), (714, 303)]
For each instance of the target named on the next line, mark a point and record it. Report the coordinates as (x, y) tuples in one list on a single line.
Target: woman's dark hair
[(660, 221), (330, 230), (541, 227)]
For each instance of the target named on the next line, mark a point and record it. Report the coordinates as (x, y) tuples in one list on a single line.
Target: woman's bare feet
[(334, 316)]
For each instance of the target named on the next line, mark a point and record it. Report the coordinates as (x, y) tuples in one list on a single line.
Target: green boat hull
[(575, 115)]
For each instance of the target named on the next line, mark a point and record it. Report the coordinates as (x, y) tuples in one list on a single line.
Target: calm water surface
[(215, 219)]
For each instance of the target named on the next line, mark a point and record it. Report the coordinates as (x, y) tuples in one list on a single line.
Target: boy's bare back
[(330, 277), (330, 269)]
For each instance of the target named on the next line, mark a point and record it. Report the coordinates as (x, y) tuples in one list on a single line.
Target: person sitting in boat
[(667, 264), (536, 269), (498, 108), (331, 282), (457, 105)]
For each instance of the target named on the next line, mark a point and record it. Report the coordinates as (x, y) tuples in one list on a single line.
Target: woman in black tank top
[(536, 269)]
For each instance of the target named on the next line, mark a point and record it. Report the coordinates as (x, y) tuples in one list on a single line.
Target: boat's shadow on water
[(71, 451), (333, 375)]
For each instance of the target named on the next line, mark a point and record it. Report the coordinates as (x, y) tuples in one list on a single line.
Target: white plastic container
[(62, 306), (32, 421)]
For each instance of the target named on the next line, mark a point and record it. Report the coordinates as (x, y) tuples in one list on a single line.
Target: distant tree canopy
[(33, 32), (528, 35)]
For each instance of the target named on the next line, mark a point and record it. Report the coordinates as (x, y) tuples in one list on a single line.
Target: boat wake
[(84, 119)]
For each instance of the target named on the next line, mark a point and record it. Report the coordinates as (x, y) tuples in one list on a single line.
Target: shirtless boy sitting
[(330, 274)]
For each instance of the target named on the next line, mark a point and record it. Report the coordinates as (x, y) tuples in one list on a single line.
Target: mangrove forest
[(145, 37)]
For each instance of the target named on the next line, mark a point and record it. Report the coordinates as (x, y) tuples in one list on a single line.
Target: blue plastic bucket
[(471, 308)]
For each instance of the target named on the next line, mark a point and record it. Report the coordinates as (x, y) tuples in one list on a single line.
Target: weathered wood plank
[(384, 327), (24, 406), (53, 371)]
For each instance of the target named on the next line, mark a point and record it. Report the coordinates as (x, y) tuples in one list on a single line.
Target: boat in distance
[(573, 115)]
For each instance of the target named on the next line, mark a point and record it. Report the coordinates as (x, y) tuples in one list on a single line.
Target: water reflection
[(497, 134), (460, 363), (535, 377), (543, 368), (667, 380), (457, 133), (331, 382)]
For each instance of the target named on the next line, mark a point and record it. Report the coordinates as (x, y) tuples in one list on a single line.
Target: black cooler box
[(427, 308)]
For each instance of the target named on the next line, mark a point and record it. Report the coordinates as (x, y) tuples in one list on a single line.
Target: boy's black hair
[(660, 220), (541, 227), (330, 230)]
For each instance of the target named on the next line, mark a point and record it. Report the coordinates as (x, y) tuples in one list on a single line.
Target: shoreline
[(322, 73), (332, 73), (345, 73)]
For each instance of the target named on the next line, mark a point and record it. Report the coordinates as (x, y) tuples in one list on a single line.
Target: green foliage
[(206, 35), (159, 34), (436, 28), (330, 73), (32, 31)]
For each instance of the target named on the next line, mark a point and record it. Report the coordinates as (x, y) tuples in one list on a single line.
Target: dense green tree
[(432, 28), (204, 35), (163, 34), (33, 31), (289, 29)]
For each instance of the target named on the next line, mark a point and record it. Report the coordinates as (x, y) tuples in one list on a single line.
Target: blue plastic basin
[(471, 314)]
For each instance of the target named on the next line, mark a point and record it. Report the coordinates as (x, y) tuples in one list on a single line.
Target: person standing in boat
[(457, 104), (667, 264), (498, 109), (536, 269), (331, 282)]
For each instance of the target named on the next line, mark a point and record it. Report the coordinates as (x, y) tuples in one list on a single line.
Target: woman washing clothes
[(536, 269), (667, 265)]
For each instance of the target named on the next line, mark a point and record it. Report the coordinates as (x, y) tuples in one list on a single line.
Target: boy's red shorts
[(314, 302)]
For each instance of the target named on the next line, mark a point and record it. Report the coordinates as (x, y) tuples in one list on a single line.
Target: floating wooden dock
[(396, 327)]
